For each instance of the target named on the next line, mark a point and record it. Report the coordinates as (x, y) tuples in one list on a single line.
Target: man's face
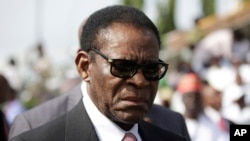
[(212, 97), (192, 102), (123, 100)]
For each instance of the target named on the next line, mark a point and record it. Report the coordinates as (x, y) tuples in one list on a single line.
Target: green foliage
[(165, 20), (245, 1), (135, 3), (208, 7)]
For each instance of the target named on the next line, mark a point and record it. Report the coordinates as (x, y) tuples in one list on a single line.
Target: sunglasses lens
[(123, 68), (127, 69), (154, 71)]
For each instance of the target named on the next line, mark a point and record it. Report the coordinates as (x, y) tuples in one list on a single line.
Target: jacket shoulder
[(152, 132), (46, 132)]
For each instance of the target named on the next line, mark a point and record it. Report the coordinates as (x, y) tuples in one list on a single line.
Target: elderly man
[(119, 61)]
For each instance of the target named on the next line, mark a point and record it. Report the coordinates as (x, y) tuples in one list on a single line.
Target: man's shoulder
[(55, 106), (151, 131), (168, 119), (45, 112), (73, 125), (159, 113), (49, 131), (160, 108)]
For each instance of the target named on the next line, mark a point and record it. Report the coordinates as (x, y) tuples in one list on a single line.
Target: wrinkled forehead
[(119, 29), (125, 24), (127, 40)]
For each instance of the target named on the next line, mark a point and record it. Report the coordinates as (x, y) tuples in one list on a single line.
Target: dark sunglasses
[(122, 68)]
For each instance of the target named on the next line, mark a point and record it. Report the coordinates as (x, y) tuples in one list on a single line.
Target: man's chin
[(131, 116), (126, 123)]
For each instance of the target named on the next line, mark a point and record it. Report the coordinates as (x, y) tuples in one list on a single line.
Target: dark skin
[(193, 104), (124, 101), (212, 97), (5, 89)]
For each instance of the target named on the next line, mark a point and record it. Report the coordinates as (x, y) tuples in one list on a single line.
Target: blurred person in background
[(217, 43), (3, 127), (189, 89), (39, 72), (212, 102), (183, 67), (240, 46), (218, 74), (4, 92), (13, 73), (236, 105), (12, 105), (42, 66), (199, 127)]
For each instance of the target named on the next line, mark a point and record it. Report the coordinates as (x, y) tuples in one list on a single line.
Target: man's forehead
[(117, 28)]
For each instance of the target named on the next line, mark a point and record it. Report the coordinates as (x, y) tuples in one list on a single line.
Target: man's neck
[(124, 126)]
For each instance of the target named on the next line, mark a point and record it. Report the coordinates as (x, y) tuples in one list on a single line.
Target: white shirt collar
[(106, 129)]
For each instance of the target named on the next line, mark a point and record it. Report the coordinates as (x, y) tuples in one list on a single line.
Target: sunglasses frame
[(137, 66)]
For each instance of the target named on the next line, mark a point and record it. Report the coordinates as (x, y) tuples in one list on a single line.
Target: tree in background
[(135, 3), (165, 19), (245, 0), (208, 7)]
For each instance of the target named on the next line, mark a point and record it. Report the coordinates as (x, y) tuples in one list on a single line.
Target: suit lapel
[(145, 135), (149, 132), (79, 126)]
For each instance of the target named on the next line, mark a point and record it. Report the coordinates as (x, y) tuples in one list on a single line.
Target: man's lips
[(135, 100)]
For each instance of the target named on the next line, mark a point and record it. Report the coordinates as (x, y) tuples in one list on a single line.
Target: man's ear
[(82, 64)]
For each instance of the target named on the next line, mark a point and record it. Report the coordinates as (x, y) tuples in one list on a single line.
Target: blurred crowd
[(210, 84), (27, 83)]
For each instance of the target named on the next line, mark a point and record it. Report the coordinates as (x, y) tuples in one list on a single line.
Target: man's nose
[(139, 80)]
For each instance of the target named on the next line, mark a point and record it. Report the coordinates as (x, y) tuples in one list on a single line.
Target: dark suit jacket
[(75, 125), (3, 127), (51, 109), (168, 120)]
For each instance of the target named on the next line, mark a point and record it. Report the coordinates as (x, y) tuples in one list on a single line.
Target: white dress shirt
[(215, 117), (106, 129), (201, 129)]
